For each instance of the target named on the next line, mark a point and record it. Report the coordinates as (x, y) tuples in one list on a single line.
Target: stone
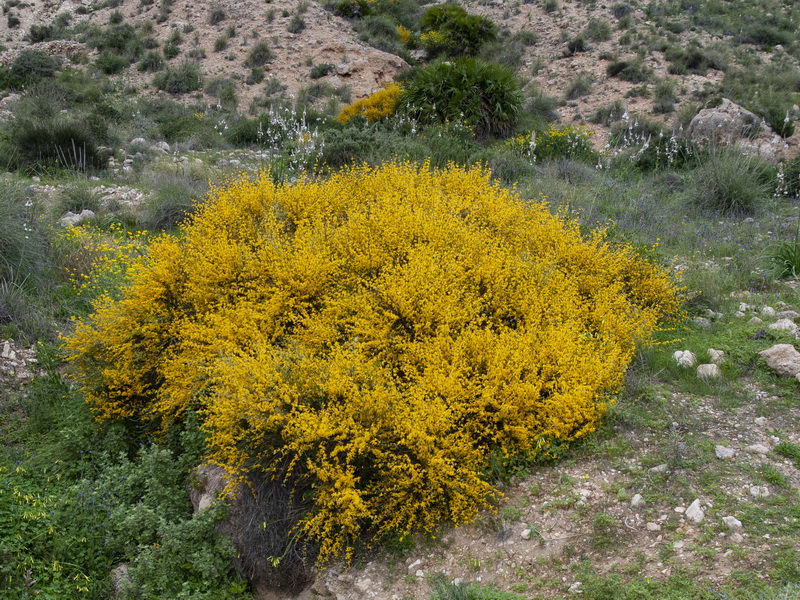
[(526, 534), (163, 146), (759, 491), (120, 578), (653, 527), (737, 538), (732, 124), (755, 321), (71, 219), (685, 358), (768, 311), (744, 307), (717, 356), (702, 322), (761, 421), (363, 584), (637, 501), (723, 452), (575, 588), (412, 568), (8, 351), (662, 468), (708, 371), (732, 522), (784, 359), (138, 141), (787, 314), (757, 449), (739, 314), (694, 513), (783, 325)]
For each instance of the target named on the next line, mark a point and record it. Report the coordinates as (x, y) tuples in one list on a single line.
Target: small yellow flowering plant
[(372, 339), (380, 105), (555, 142)]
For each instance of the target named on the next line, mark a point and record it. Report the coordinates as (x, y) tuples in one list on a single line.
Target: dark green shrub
[(174, 199), (182, 79), (30, 67), (111, 64), (576, 45), (542, 106), (320, 70), (580, 86), (259, 55), (608, 114), (352, 9), (151, 62), (664, 96), (115, 18), (597, 31), (217, 15), (373, 145), (379, 31), (296, 24), (221, 43), (668, 152), (633, 70), (447, 29), (171, 51), (60, 142), (255, 76), (40, 33), (692, 60), (485, 96), (764, 35)]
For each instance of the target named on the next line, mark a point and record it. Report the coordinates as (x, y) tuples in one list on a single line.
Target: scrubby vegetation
[(391, 310)]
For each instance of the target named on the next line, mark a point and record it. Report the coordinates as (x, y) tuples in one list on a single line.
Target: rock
[(744, 307), (757, 449), (717, 356), (8, 351), (755, 321), (662, 468), (732, 522), (412, 568), (138, 141), (759, 491), (737, 538), (678, 545), (363, 585), (768, 311), (653, 527), (163, 146), (708, 371), (761, 421), (784, 359), (787, 314), (723, 452), (684, 358), (71, 219), (526, 534), (575, 588), (739, 314), (702, 322), (732, 124), (783, 325), (637, 501), (694, 513), (120, 578)]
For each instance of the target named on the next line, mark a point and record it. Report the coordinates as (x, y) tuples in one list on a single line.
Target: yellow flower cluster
[(372, 338), (404, 34), (378, 106)]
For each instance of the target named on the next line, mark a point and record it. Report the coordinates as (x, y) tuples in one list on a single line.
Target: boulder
[(730, 123), (784, 359)]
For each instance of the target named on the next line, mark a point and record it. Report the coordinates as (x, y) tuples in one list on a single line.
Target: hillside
[(118, 118)]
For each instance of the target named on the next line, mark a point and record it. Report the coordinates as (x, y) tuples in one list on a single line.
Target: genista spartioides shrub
[(372, 338)]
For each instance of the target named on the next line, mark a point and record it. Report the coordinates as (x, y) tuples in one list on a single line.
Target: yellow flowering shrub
[(372, 338), (378, 106)]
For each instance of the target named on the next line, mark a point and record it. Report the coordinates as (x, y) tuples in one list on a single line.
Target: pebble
[(526, 534), (662, 468), (653, 527), (637, 501), (761, 421), (723, 452)]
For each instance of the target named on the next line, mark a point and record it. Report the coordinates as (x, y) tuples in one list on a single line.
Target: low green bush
[(484, 96), (182, 79), (111, 64), (449, 30), (731, 183), (633, 70), (260, 54)]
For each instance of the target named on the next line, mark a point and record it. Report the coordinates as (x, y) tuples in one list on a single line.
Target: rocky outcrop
[(784, 359), (730, 123)]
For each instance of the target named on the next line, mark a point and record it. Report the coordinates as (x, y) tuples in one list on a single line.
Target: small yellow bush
[(372, 338), (378, 106)]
